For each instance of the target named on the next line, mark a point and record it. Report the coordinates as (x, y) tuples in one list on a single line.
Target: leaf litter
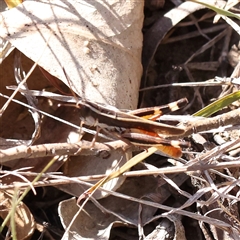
[(209, 199)]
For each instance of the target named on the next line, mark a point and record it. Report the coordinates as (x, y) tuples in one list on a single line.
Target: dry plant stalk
[(225, 119)]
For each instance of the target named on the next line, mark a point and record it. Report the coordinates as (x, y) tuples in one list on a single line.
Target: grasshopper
[(138, 126)]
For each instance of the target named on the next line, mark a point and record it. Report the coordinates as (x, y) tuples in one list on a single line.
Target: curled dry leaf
[(97, 42), (23, 218), (16, 122), (96, 223), (91, 223), (158, 31)]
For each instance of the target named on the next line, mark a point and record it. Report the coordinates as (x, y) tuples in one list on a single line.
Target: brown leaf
[(94, 165), (23, 218), (98, 44), (93, 223)]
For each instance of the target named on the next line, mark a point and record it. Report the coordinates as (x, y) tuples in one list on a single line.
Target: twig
[(45, 150), (230, 118)]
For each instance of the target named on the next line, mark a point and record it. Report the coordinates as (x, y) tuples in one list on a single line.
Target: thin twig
[(229, 118), (46, 150)]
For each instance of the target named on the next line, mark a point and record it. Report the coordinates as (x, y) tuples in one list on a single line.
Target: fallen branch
[(229, 118), (53, 149)]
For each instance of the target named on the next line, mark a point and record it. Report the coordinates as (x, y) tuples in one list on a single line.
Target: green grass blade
[(218, 105)]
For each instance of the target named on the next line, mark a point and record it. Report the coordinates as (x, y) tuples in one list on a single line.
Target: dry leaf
[(93, 223), (90, 224), (97, 42), (158, 31), (24, 220), (91, 165)]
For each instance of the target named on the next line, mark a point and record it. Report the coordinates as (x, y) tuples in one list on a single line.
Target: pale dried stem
[(225, 119), (71, 149)]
